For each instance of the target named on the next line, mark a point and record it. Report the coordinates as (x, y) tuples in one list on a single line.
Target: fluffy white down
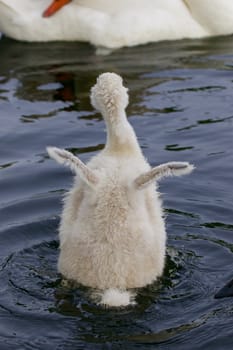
[(112, 232), (116, 23), (116, 298)]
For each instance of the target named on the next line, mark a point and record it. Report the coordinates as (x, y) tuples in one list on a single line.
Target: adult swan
[(115, 23)]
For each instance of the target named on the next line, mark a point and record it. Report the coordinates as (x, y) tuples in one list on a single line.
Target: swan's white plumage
[(117, 23), (116, 298), (112, 232)]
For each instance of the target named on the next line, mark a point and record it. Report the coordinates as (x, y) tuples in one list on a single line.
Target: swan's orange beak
[(54, 7)]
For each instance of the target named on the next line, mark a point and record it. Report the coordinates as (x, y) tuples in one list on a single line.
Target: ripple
[(29, 274), (181, 109)]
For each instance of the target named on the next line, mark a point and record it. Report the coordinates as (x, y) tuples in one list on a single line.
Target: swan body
[(115, 24), (112, 232)]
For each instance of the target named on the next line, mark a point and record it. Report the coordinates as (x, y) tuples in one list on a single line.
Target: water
[(181, 107)]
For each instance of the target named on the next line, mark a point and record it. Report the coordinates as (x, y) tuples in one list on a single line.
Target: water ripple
[(181, 109)]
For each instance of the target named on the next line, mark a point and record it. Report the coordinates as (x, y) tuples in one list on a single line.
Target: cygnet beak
[(54, 7)]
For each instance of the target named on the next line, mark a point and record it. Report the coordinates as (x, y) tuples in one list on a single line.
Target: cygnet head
[(109, 96)]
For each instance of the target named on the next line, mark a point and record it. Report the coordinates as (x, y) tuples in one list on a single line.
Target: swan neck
[(120, 135)]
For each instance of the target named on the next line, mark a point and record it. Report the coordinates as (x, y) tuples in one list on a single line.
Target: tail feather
[(117, 298)]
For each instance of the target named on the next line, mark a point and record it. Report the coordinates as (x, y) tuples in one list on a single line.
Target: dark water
[(182, 109)]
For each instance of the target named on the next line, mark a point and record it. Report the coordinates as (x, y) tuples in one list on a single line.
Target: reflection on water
[(181, 108)]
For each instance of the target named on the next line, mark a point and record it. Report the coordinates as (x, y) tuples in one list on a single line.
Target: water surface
[(181, 107)]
